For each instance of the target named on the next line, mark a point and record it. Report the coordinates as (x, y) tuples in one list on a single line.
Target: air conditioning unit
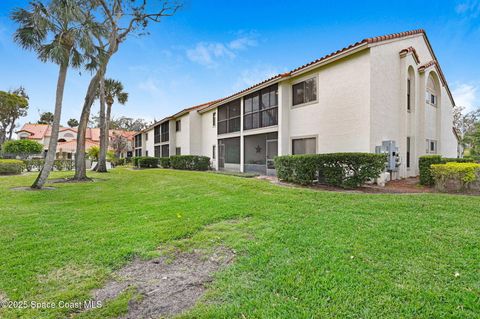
[(393, 157)]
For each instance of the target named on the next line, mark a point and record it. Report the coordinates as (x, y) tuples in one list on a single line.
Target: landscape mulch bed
[(403, 186)]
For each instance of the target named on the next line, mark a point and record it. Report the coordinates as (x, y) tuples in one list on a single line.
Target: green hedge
[(33, 164), (164, 162), (11, 167), (190, 162), (135, 160), (454, 176), (346, 170), (147, 162), (425, 162)]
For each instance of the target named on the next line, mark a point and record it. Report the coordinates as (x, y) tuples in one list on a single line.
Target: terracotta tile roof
[(196, 107), (410, 50), (182, 112), (328, 56), (40, 131), (37, 131)]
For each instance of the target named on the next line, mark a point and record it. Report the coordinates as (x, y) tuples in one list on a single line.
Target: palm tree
[(113, 90), (58, 33)]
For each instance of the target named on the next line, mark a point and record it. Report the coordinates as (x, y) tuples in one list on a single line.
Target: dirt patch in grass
[(168, 285), (28, 188), (3, 297), (71, 180)]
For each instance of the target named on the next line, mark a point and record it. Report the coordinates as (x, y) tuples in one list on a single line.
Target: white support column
[(242, 146), (283, 121)]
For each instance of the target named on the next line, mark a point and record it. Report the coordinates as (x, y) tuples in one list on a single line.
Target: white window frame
[(302, 138), (428, 146), (303, 79)]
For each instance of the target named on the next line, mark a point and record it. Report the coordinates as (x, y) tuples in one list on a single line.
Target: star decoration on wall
[(258, 149)]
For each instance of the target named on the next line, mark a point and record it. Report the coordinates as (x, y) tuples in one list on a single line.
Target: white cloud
[(150, 86), (209, 54), (467, 95), (242, 43), (469, 8), (254, 75)]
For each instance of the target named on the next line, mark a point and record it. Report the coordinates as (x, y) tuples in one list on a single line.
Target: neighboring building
[(388, 88), (67, 143)]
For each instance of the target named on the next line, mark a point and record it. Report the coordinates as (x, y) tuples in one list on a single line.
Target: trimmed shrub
[(338, 169), (350, 170), (426, 161), (135, 160), (58, 165), (190, 162), (424, 164), (11, 167), (457, 160), (455, 176), (118, 161), (164, 162), (299, 169), (148, 162)]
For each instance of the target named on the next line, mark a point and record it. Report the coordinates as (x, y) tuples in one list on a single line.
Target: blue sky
[(211, 49)]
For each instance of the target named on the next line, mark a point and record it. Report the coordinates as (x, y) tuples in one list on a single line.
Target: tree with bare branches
[(122, 18)]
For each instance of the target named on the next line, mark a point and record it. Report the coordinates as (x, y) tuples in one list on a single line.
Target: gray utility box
[(393, 158)]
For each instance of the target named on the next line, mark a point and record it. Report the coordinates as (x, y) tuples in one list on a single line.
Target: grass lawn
[(300, 253)]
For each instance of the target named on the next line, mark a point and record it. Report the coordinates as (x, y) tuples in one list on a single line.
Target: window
[(432, 91), (146, 153), (138, 152), (165, 150), (214, 119), (164, 132), (261, 108), (178, 151), (146, 136), (156, 134), (408, 152), (138, 140), (431, 146), (305, 91), (178, 125), (157, 151), (408, 95), (431, 98), (229, 117), (231, 150), (304, 146), (214, 149)]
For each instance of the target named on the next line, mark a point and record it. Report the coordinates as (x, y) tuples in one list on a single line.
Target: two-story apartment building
[(388, 88)]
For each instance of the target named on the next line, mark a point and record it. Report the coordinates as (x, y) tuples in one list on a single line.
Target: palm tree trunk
[(80, 165), (102, 156), (52, 145)]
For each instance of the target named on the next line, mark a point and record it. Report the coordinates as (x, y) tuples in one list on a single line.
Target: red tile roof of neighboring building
[(37, 131), (40, 131)]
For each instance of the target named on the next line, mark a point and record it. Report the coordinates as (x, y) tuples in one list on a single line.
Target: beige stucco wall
[(148, 145), (209, 136), (390, 119), (182, 137), (340, 117)]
